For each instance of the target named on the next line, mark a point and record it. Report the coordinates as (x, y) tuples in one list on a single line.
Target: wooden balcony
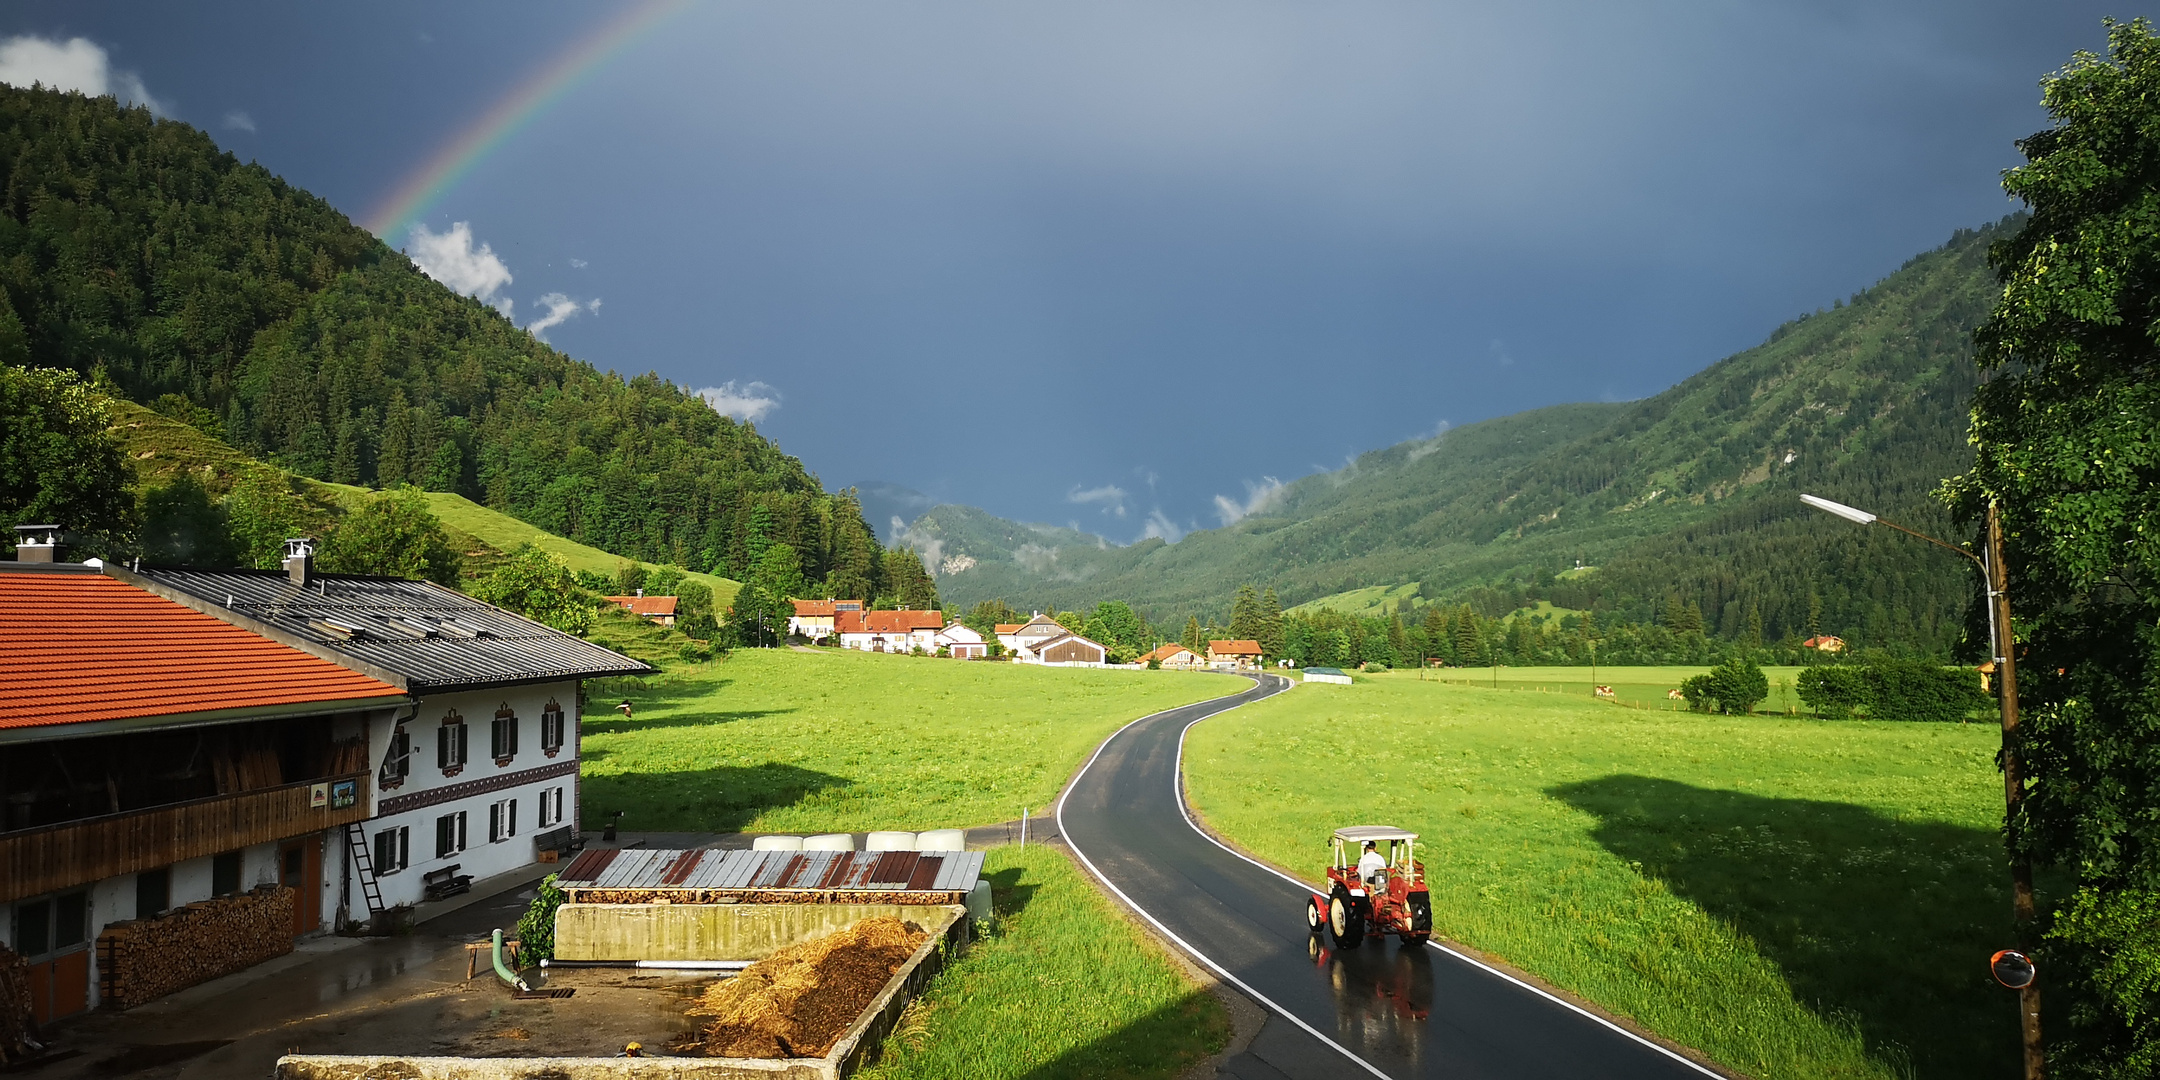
[(53, 857)]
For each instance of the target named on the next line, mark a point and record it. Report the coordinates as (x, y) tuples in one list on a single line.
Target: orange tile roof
[(1238, 647), (1164, 652), (808, 609), (647, 606), (900, 622), (80, 647), (1009, 627)]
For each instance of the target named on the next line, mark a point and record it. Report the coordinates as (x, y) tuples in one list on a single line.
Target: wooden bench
[(561, 839), (437, 884)]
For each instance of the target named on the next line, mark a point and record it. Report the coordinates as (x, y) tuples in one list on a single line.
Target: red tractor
[(1386, 896)]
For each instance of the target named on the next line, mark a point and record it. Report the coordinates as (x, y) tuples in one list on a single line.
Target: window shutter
[(510, 727), (461, 736), (404, 847), (494, 822), (443, 737), (512, 830), (443, 835)]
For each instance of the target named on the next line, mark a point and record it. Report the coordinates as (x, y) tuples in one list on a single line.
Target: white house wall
[(428, 794)]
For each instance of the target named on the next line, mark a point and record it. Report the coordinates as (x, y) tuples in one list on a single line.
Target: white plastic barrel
[(890, 841), (941, 840), (832, 841), (978, 901), (777, 843)]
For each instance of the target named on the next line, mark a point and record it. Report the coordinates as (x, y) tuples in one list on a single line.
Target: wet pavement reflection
[(1383, 993)]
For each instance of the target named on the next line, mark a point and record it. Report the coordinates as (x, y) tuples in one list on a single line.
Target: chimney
[(37, 543), (641, 592), (300, 560)]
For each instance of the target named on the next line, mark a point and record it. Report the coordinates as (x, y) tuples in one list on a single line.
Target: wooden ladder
[(364, 857)]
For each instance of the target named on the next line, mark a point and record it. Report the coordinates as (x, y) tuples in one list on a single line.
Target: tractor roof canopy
[(1358, 834)]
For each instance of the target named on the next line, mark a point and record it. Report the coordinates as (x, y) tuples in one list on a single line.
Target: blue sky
[(1125, 266)]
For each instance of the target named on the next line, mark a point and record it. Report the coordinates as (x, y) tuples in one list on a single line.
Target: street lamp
[(1997, 581)]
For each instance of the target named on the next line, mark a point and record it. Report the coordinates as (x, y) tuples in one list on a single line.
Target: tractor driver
[(1372, 865)]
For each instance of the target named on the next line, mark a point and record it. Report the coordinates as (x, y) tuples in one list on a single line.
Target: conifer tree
[(1193, 638), (1270, 637), (1245, 614)]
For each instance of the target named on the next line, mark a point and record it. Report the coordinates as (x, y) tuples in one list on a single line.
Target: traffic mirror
[(2012, 969)]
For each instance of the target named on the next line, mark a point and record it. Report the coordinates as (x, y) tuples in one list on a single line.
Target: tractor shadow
[(721, 799), (1883, 924)]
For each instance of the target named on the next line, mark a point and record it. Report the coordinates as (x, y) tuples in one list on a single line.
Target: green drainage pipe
[(503, 971)]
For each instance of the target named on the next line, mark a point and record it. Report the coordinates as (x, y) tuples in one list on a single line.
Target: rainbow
[(405, 204)]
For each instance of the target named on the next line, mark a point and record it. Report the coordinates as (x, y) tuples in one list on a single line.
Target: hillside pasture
[(828, 740), (1793, 897)]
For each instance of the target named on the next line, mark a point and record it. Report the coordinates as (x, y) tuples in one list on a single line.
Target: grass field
[(779, 740), (1642, 686), (504, 533), (1372, 600), (1796, 898), (1064, 987)]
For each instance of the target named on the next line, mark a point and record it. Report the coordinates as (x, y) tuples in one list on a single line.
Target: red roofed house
[(889, 631), (813, 619), (660, 609), (1824, 643), (1174, 657), (1240, 654), (170, 736)]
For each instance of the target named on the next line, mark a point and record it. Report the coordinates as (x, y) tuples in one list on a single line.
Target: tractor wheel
[(1344, 919), (1420, 918), (1314, 921)]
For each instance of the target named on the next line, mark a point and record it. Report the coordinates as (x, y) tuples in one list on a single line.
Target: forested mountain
[(135, 246), (1687, 495)]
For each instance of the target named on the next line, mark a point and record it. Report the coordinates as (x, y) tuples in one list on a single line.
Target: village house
[(889, 631), (659, 609), (961, 642), (479, 774), (813, 619), (152, 756), (1068, 650), (1173, 658), (1020, 638), (1824, 643), (1236, 655)]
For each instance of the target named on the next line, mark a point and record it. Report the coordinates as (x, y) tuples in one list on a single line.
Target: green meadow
[(786, 740), (1646, 687), (1063, 986), (1793, 897)]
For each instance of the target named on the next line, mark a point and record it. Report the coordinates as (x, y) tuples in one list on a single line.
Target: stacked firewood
[(146, 959), (15, 1019)]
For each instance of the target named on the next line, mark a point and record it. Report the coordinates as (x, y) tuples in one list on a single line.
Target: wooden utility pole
[(2021, 880)]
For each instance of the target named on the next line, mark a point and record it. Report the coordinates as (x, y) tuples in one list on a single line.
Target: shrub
[(1921, 691), (1696, 689), (1833, 690), (536, 928), (694, 653)]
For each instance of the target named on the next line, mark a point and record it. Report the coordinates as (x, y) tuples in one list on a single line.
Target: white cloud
[(579, 264), (749, 401), (451, 258), (560, 309), (1257, 498), (1425, 446), (1161, 527), (75, 64), (1111, 496), (239, 121)]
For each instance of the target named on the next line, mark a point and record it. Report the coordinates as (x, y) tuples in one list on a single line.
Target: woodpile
[(146, 959), (15, 1018)]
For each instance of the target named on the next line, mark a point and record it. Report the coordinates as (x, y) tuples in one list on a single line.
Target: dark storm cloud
[(1215, 241)]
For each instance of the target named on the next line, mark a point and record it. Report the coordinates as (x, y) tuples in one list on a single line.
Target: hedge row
[(1914, 690)]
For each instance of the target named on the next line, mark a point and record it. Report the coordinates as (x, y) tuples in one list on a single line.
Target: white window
[(503, 736), (393, 849), (550, 807), (502, 820), (551, 728), (450, 744), (449, 834)]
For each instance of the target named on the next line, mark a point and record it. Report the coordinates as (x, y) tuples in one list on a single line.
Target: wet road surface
[(1382, 1009)]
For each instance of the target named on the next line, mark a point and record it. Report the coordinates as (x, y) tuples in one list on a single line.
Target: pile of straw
[(800, 1000)]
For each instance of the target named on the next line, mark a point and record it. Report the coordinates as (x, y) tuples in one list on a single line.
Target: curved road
[(1379, 1010)]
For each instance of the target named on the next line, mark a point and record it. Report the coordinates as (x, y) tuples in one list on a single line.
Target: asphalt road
[(1382, 1009)]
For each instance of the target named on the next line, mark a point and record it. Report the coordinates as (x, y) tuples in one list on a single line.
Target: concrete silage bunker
[(662, 906)]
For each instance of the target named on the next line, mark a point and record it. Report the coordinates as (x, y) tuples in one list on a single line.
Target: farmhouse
[(1174, 658), (152, 756), (445, 797), (889, 631), (813, 619), (1020, 638), (1824, 643), (659, 609), (962, 642), (1068, 650), (1240, 655)]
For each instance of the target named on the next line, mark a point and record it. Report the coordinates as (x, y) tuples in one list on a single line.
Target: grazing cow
[(1675, 695), (1603, 691)]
